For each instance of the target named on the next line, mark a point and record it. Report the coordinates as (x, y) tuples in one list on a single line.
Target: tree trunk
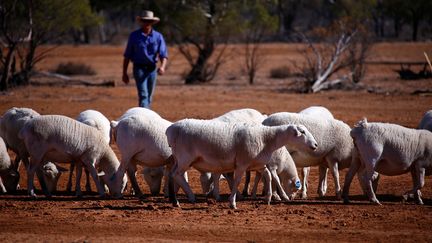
[(198, 72), (7, 68), (415, 25)]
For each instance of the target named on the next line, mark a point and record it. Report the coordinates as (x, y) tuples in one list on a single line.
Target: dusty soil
[(66, 218)]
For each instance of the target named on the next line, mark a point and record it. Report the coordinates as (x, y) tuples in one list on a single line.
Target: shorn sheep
[(102, 124), (219, 147), (10, 124), (334, 143), (62, 139), (135, 130), (281, 165), (9, 177), (391, 150), (318, 112)]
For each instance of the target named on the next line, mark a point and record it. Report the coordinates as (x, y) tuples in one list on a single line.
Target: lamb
[(426, 122), (9, 177), (219, 147), (141, 140), (391, 150), (59, 139), (151, 175), (321, 113), (280, 163), (102, 124), (52, 172), (334, 143)]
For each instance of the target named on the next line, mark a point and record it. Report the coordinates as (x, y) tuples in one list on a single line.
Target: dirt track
[(65, 218)]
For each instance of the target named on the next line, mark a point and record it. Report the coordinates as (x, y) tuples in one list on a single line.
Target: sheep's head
[(51, 173), (303, 138), (10, 180), (153, 177)]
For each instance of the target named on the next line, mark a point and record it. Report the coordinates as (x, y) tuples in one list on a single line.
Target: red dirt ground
[(66, 218)]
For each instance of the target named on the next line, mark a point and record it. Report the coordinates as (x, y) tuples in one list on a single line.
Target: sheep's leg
[(131, 171), (258, 176), (419, 183), (275, 193), (179, 177), (206, 181), (238, 173), (267, 175), (31, 170), (278, 185), (2, 187), (88, 185), (93, 172), (305, 174), (69, 183), (334, 169), (216, 177), (322, 184), (78, 173), (354, 168), (246, 185), (166, 181)]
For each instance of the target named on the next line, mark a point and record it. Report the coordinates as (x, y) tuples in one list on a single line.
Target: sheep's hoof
[(376, 202), (176, 204), (192, 199), (33, 196), (321, 194), (419, 201), (78, 195), (48, 196), (285, 198), (218, 199), (346, 201), (276, 197), (233, 206), (303, 196)]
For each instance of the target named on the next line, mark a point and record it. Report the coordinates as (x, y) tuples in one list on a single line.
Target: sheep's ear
[(114, 124), (297, 133)]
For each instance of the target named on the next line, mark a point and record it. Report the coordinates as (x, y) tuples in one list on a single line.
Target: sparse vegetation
[(281, 72), (74, 68)]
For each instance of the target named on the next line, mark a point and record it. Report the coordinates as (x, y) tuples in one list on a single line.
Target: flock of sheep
[(228, 146)]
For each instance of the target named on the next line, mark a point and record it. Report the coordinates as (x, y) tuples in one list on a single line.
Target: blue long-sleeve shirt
[(145, 49)]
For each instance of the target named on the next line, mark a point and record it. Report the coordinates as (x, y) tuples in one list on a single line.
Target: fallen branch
[(70, 81)]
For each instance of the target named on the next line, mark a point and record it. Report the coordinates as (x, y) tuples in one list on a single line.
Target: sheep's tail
[(363, 123), (172, 134), (113, 134)]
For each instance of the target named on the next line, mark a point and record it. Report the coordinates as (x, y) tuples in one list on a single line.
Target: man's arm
[(162, 67), (125, 77)]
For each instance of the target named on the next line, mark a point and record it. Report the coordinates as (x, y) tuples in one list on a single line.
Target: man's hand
[(125, 78), (161, 70)]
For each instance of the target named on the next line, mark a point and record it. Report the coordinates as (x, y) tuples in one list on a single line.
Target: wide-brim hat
[(148, 16)]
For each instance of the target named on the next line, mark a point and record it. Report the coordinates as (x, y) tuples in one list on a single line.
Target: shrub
[(74, 68), (280, 72)]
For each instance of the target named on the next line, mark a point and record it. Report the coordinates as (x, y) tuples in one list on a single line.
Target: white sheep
[(321, 113), (426, 121), (280, 163), (246, 115), (52, 172), (220, 147), (391, 150), (151, 175), (334, 143), (8, 175), (62, 139), (102, 124), (141, 140), (10, 124)]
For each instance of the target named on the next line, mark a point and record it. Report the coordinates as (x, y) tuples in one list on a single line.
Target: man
[(144, 48)]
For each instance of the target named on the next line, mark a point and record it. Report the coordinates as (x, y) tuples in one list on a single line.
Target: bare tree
[(343, 47)]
